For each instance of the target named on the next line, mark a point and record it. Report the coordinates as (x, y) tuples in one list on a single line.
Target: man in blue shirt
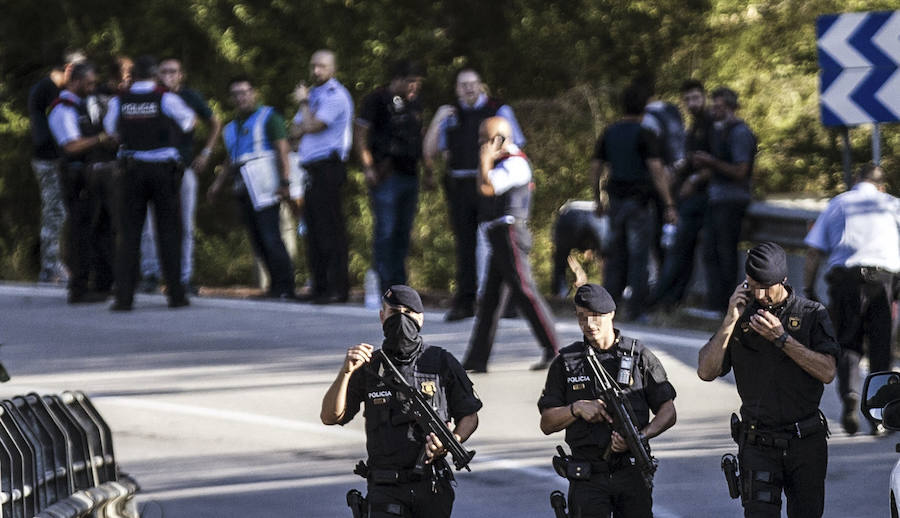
[(323, 126), (858, 232), (148, 122), (730, 161), (457, 140)]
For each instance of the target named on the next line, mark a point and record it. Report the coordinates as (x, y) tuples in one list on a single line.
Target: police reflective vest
[(246, 140)]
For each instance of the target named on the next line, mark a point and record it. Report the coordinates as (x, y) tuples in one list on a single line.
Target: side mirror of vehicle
[(880, 389), (891, 415)]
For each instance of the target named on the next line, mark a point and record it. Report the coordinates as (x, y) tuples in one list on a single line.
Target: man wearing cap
[(859, 232), (783, 350), (393, 440), (570, 402)]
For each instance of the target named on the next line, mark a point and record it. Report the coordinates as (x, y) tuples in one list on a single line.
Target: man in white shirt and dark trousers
[(504, 183), (82, 144), (859, 232), (149, 123), (171, 75), (323, 127)]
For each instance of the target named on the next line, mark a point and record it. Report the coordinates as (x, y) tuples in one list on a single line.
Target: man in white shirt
[(504, 184), (859, 232), (149, 122)]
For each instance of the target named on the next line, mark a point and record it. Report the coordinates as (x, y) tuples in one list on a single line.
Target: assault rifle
[(623, 418), (415, 406)]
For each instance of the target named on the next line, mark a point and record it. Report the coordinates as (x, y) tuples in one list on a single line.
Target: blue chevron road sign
[(859, 54)]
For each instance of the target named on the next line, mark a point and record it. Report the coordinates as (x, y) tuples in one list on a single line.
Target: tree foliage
[(559, 64)]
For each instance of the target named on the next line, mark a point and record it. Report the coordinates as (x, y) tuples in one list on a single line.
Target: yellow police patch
[(794, 323), (428, 388), (578, 386)]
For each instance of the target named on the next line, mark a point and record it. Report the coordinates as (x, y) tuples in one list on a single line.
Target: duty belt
[(402, 476), (780, 437)]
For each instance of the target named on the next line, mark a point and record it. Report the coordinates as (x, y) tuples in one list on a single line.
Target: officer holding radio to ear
[(783, 350), (602, 474)]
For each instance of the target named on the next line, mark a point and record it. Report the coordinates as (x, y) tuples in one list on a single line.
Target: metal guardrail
[(57, 460), (782, 219)]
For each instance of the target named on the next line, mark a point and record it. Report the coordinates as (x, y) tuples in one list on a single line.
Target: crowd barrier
[(57, 460)]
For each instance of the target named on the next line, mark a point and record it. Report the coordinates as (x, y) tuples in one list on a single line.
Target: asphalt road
[(215, 409)]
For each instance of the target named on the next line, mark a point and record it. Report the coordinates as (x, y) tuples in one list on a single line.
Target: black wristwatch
[(780, 341)]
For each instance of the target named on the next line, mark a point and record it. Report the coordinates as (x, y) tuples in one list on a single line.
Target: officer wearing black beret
[(783, 350), (393, 440), (570, 402)]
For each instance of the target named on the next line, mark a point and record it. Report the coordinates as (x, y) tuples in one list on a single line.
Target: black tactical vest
[(142, 124), (393, 440), (86, 127), (462, 138), (589, 439)]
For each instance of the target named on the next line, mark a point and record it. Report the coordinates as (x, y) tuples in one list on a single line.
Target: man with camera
[(783, 350)]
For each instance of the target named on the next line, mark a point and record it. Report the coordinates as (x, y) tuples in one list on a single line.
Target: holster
[(736, 428), (357, 504), (569, 468), (558, 503), (731, 468)]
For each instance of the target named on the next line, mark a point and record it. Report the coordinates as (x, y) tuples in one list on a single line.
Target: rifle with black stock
[(423, 413), (623, 418)]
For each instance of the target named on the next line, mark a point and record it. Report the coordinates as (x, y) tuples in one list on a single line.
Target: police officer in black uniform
[(569, 402), (150, 123), (783, 350), (84, 146), (394, 442)]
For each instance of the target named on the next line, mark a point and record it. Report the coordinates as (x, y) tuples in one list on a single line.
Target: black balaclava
[(401, 337)]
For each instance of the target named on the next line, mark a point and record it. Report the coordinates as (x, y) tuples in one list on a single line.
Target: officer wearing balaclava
[(393, 440)]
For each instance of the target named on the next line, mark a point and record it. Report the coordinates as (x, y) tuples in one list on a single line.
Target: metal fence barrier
[(57, 460)]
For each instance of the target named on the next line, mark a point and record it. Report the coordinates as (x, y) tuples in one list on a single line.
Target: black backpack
[(672, 136)]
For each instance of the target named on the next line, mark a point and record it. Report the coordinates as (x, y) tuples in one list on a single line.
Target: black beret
[(595, 298), (400, 295), (766, 263)]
